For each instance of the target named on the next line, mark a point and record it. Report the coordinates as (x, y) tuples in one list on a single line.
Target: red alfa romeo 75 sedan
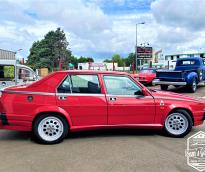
[(68, 101)]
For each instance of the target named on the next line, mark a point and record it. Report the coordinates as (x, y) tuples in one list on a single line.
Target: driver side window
[(121, 85)]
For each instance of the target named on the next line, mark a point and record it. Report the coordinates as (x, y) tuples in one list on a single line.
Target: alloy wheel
[(176, 123), (50, 128)]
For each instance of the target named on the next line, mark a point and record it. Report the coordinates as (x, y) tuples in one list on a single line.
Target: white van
[(12, 73)]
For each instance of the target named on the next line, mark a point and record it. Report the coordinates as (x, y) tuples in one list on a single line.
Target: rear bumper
[(158, 82), (3, 119), (11, 123)]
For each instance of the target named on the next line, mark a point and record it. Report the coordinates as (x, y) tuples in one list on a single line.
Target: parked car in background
[(135, 75), (12, 74), (146, 76), (68, 101), (188, 72)]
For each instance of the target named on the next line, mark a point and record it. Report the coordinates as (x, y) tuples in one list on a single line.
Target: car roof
[(92, 72)]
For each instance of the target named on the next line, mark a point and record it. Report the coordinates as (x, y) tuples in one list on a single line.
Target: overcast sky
[(100, 28)]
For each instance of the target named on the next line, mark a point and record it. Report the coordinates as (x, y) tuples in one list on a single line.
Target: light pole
[(136, 45)]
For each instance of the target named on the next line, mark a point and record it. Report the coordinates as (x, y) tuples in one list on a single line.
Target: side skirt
[(93, 127)]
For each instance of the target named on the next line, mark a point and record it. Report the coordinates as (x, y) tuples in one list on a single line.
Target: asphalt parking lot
[(96, 151)]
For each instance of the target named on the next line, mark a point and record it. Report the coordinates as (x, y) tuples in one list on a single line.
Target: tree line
[(54, 49)]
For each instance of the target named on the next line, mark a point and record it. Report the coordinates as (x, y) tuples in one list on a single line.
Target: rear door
[(126, 104), (80, 95)]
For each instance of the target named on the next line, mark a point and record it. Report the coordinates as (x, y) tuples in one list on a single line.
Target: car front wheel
[(178, 123), (50, 129)]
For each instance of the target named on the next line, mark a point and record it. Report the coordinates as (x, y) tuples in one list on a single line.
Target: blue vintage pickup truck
[(188, 72)]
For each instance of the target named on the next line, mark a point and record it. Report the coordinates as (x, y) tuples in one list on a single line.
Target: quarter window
[(121, 85), (65, 86)]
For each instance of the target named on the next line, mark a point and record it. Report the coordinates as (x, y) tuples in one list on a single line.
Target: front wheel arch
[(178, 123), (185, 109)]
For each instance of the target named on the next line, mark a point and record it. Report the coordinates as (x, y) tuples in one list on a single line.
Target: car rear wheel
[(193, 87), (178, 123), (50, 129), (164, 87)]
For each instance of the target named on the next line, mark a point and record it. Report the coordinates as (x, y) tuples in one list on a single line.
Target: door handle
[(112, 98), (62, 97)]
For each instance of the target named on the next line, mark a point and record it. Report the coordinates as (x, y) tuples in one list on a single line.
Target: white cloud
[(180, 13), (171, 25)]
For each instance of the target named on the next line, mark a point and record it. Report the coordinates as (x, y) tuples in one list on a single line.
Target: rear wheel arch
[(52, 112)]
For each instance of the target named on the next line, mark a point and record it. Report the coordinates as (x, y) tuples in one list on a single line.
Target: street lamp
[(136, 44)]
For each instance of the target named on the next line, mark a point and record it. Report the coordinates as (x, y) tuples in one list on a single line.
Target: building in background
[(170, 60), (7, 55), (102, 66)]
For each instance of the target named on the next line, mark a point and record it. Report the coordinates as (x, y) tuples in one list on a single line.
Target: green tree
[(50, 50), (118, 59), (85, 59), (130, 59), (107, 61)]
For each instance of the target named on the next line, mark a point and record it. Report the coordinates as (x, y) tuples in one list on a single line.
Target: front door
[(80, 95), (126, 104)]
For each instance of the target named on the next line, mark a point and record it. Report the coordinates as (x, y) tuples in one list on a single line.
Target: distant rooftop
[(7, 55), (184, 54)]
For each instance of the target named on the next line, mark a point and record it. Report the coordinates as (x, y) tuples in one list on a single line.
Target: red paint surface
[(93, 112)]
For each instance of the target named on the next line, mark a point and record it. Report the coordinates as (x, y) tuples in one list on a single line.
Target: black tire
[(164, 87), (64, 125), (189, 126), (193, 86)]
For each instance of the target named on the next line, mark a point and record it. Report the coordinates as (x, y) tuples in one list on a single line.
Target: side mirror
[(139, 93), (144, 91)]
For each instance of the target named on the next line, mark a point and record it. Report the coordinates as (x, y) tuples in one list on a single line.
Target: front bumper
[(158, 82), (3, 119)]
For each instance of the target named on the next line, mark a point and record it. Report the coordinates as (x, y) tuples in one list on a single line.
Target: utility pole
[(136, 45)]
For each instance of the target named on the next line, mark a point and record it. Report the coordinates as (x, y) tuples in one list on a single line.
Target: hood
[(174, 96)]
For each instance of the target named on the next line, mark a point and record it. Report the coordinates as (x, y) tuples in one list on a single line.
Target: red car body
[(146, 76), (22, 105)]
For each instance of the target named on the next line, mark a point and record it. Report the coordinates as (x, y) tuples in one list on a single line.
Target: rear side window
[(80, 84), (85, 84)]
